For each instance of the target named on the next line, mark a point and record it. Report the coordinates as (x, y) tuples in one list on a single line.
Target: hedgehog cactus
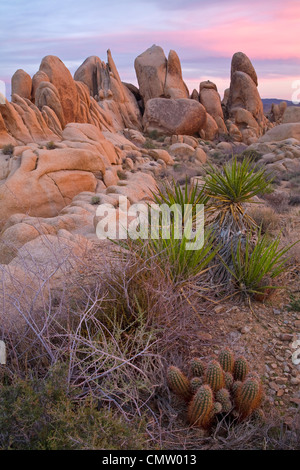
[(223, 397), (178, 382), (200, 408), (235, 387), (226, 359), (228, 380), (216, 409), (240, 369), (197, 367), (196, 383), (214, 376), (248, 397)]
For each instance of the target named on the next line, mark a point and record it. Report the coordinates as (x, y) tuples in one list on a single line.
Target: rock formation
[(170, 116), (243, 95), (159, 77)]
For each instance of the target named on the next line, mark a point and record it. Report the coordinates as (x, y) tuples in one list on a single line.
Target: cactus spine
[(178, 382), (197, 367), (214, 376), (226, 359), (196, 383), (228, 380), (223, 397), (247, 397), (240, 369), (199, 412)]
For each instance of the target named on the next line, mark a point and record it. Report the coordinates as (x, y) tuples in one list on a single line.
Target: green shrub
[(294, 305), (8, 149), (95, 200), (50, 145), (256, 265), (230, 188), (41, 415)]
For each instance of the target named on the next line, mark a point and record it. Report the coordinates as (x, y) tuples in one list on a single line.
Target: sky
[(204, 33)]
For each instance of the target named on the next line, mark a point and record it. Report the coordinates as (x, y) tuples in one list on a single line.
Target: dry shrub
[(265, 217), (278, 200)]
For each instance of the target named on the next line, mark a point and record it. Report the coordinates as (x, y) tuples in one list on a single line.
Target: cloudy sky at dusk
[(205, 35)]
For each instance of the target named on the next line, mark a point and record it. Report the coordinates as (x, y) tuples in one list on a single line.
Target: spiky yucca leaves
[(196, 382), (200, 407), (171, 193), (197, 367), (247, 398), (255, 265), (240, 369), (223, 397), (226, 359), (230, 188), (214, 376), (228, 380), (179, 383)]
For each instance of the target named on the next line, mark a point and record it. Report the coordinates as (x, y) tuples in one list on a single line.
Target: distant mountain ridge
[(267, 103)]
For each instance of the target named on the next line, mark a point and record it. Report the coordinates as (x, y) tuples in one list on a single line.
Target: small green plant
[(50, 145), (8, 149), (294, 305), (149, 144), (95, 200), (121, 175), (255, 265), (154, 135)]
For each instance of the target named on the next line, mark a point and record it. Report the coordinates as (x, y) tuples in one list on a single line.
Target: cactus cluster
[(221, 386)]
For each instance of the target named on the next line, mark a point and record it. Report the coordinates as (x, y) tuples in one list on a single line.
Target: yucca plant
[(171, 194), (173, 253), (178, 241), (229, 189), (255, 265)]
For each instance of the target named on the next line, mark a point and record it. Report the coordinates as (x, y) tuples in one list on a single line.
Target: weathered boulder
[(62, 79), (161, 154), (167, 116), (244, 94), (175, 87), (114, 98), (210, 128), (41, 182), (282, 132), (158, 76), (291, 114), (21, 84), (210, 99), (46, 94), (151, 69), (241, 63)]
